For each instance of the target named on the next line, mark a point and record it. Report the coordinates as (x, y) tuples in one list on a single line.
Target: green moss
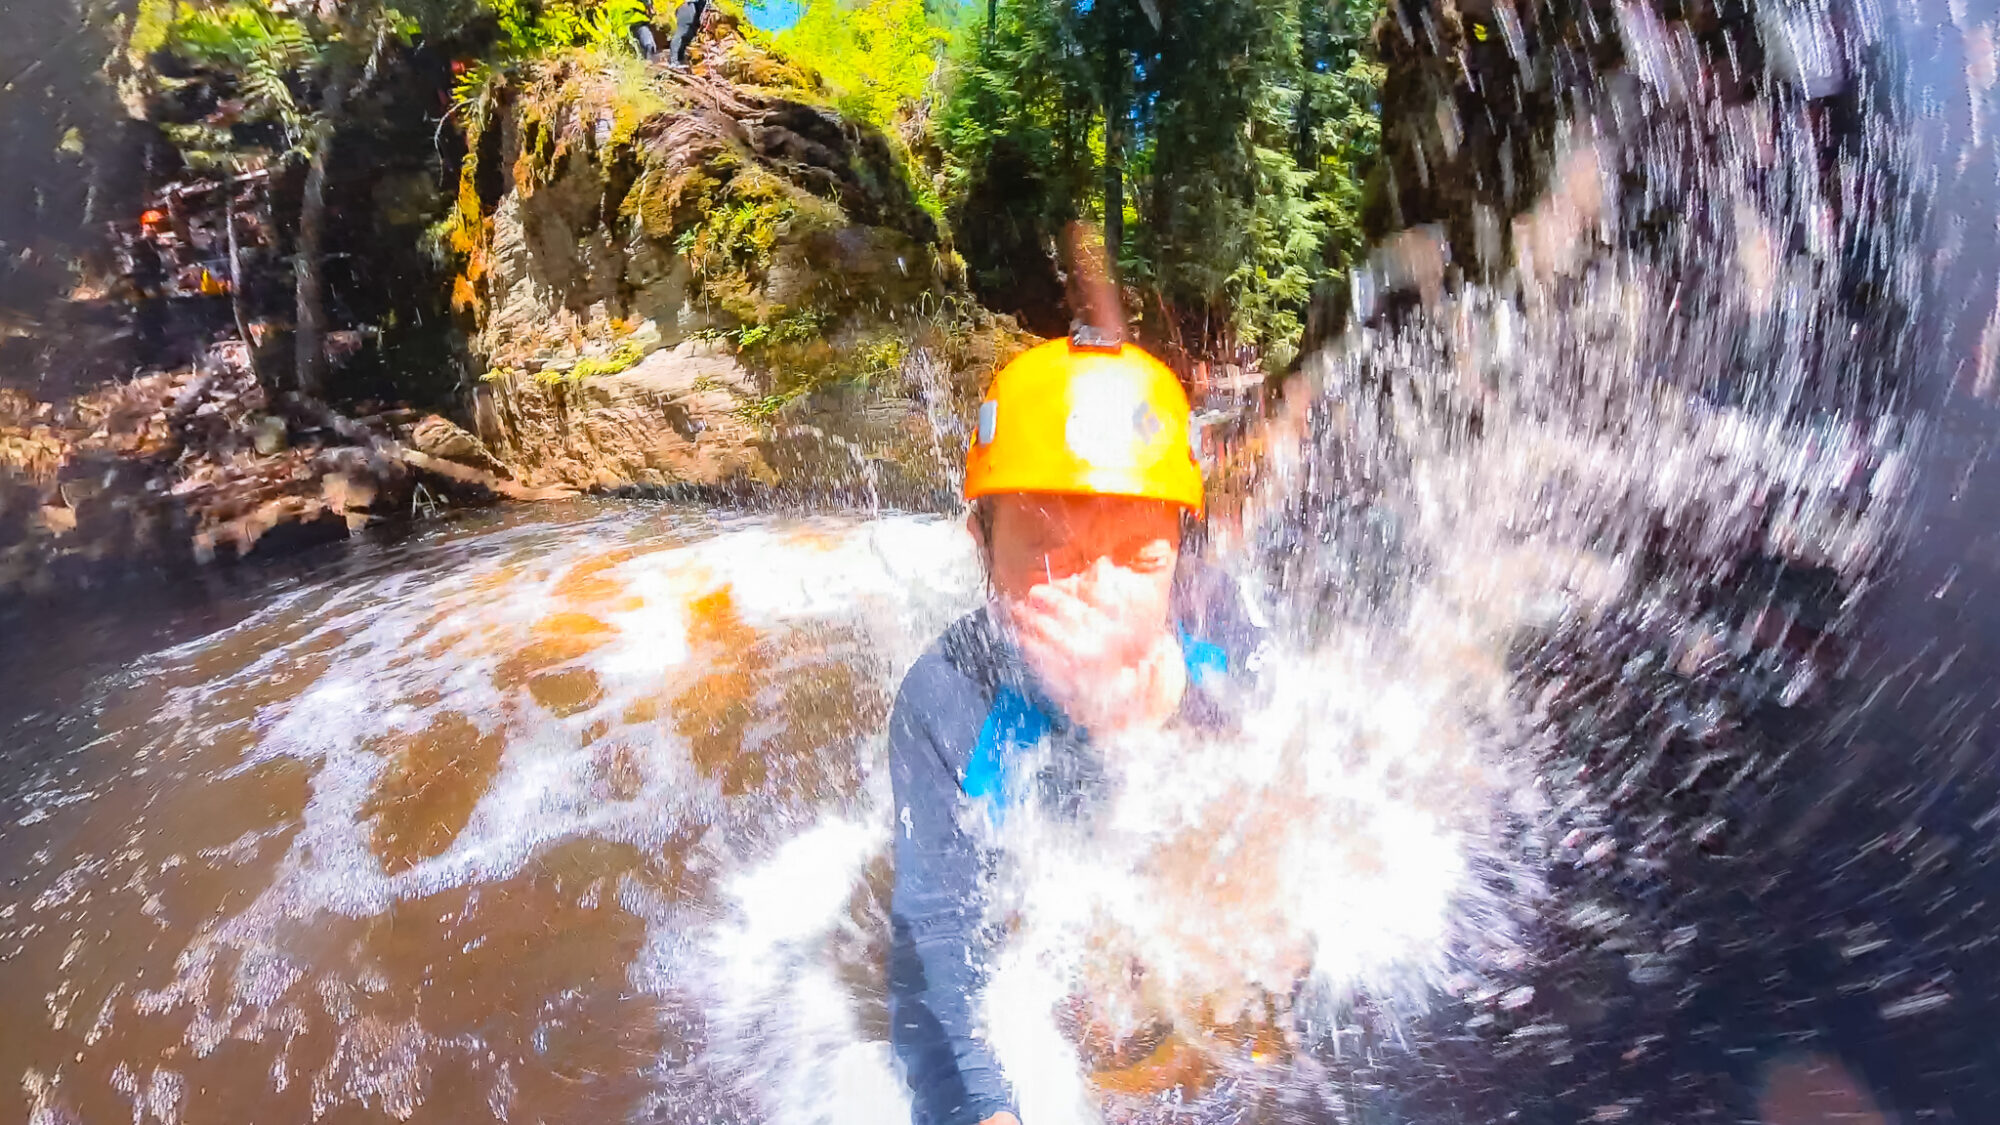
[(807, 324), (732, 245), (633, 97), (149, 30), (799, 366), (804, 294), (765, 408), (881, 357), (581, 100), (745, 228), (622, 358)]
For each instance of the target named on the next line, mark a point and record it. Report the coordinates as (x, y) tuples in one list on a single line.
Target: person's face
[(1083, 582)]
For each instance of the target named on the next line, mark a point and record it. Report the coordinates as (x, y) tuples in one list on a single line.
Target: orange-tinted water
[(456, 840)]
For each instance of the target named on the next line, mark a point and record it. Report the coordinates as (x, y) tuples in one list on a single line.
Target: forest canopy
[(1220, 146), (1220, 143)]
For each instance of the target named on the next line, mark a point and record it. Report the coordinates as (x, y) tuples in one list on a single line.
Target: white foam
[(787, 1035), (783, 1026)]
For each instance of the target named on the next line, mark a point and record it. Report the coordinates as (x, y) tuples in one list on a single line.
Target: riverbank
[(155, 475)]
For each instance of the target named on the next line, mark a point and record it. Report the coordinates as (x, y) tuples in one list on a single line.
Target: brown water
[(477, 835)]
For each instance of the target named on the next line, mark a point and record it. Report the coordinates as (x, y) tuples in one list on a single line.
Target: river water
[(534, 821), (1623, 752)]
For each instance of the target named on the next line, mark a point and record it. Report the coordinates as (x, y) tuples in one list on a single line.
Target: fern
[(610, 24), (528, 29), (265, 52), (292, 44), (264, 90), (471, 84)]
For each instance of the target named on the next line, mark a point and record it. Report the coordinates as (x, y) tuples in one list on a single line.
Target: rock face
[(691, 419), (675, 418), (704, 280)]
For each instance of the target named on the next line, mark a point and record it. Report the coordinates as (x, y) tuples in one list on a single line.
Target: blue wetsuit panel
[(1015, 723), (1012, 724)]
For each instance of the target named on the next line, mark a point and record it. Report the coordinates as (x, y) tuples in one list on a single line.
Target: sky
[(773, 15)]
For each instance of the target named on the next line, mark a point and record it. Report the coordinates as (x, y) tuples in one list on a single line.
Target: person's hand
[(1002, 1118), (1088, 642)]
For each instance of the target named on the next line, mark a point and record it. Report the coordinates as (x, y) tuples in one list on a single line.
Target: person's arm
[(935, 917)]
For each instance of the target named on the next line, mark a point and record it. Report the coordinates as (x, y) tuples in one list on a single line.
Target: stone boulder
[(677, 418), (710, 280)]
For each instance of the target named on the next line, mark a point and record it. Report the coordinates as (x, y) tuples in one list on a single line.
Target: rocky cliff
[(709, 280)]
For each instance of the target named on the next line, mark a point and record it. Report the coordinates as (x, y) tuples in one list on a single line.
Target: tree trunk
[(236, 282), (309, 331), (1116, 111), (1114, 185)]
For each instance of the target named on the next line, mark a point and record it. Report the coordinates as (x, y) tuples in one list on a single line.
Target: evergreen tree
[(1220, 142), (1017, 128), (878, 55)]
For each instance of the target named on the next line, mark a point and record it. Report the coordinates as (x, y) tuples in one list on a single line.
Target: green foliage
[(279, 59), (800, 327), (151, 24), (799, 363), (741, 234), (1339, 125), (611, 22), (621, 358), (1231, 230), (267, 53), (878, 56), (766, 407), (528, 28), (736, 230), (879, 358), (206, 148), (471, 84), (1016, 129), (1235, 134)]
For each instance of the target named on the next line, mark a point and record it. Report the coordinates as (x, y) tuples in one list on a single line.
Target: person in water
[(1082, 479)]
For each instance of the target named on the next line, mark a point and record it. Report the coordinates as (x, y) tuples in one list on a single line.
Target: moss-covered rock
[(610, 210)]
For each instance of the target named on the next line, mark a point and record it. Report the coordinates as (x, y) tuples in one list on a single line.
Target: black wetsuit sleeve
[(936, 958)]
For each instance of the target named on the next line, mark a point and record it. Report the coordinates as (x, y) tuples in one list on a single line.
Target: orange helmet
[(1106, 420)]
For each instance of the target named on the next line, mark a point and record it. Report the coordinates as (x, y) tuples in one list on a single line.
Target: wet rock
[(678, 418), (440, 437), (731, 289)]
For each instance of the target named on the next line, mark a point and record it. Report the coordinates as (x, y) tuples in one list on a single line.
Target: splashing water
[(517, 825), (1668, 460), (587, 817)]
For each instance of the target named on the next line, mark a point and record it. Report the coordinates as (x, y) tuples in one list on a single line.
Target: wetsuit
[(966, 710)]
